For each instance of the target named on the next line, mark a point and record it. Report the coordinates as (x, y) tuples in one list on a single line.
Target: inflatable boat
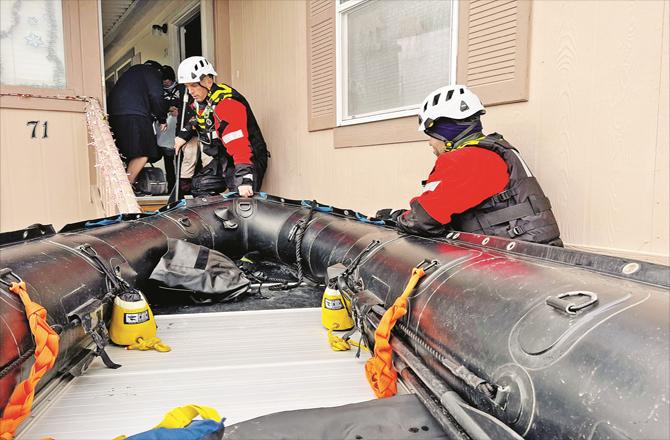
[(502, 339)]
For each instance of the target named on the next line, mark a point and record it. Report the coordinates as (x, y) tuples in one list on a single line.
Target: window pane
[(31, 43), (395, 53)]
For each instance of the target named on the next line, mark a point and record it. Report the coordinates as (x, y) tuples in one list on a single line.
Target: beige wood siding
[(604, 169), (222, 41), (493, 49), (52, 179), (321, 64), (44, 180)]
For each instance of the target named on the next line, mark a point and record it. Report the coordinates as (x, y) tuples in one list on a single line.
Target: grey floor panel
[(245, 364)]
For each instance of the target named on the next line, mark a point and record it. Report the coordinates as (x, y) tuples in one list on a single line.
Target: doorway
[(168, 37), (190, 37)]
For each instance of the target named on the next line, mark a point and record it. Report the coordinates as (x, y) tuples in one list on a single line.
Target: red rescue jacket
[(226, 117), (460, 180)]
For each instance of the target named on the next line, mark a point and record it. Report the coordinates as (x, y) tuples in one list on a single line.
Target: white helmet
[(194, 69), (453, 102)]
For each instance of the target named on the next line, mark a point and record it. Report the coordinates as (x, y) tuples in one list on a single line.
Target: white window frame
[(340, 69)]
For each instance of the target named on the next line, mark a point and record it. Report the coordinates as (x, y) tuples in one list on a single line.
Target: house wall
[(595, 129), (52, 179)]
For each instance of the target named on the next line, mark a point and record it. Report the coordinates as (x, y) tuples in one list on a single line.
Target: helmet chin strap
[(451, 144)]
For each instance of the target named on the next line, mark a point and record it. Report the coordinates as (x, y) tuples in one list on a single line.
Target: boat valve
[(501, 396)]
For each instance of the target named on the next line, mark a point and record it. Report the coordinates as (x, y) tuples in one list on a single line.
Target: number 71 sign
[(35, 124)]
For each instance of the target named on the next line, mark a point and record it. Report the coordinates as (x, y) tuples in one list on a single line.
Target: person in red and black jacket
[(479, 183), (227, 132)]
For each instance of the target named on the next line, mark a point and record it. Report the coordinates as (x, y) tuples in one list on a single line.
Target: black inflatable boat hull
[(600, 373)]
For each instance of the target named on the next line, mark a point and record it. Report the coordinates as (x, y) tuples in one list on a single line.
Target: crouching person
[(479, 183), (232, 153)]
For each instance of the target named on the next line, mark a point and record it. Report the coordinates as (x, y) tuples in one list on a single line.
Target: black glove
[(244, 175), (388, 214)]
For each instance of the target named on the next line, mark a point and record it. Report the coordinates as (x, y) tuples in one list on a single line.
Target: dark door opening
[(191, 41)]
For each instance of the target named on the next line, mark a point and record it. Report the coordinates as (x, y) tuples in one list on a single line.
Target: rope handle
[(46, 350), (379, 370)]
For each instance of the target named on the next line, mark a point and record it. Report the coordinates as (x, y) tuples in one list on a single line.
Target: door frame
[(206, 10)]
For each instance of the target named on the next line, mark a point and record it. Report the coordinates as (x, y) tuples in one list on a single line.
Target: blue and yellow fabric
[(178, 424)]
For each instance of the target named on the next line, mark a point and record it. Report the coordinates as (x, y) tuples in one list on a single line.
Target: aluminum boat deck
[(245, 364)]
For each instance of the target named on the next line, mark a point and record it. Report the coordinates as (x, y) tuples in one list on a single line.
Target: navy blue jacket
[(138, 92)]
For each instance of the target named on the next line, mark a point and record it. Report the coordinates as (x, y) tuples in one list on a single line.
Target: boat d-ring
[(570, 307), (7, 273), (427, 264)]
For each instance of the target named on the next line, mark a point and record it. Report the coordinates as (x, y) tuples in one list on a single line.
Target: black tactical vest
[(204, 124), (521, 211)]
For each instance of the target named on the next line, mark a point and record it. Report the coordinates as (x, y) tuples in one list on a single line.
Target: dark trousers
[(168, 159)]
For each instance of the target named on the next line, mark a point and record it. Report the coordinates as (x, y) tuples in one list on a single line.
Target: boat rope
[(379, 370), (115, 283), (149, 344), (16, 362), (353, 265), (338, 343), (357, 312), (299, 229), (458, 370), (260, 278), (46, 350)]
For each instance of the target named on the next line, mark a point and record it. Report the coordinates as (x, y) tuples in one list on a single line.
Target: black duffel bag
[(151, 180), (209, 180), (201, 270)]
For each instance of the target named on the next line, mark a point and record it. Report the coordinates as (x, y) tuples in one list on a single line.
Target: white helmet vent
[(440, 104), (193, 69)]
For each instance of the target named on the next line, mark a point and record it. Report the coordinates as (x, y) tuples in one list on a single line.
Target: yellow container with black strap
[(335, 310), (131, 319)]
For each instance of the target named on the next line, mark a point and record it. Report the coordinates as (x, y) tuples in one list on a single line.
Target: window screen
[(393, 53)]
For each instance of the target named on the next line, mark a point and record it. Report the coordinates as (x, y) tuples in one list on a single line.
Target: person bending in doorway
[(135, 99)]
